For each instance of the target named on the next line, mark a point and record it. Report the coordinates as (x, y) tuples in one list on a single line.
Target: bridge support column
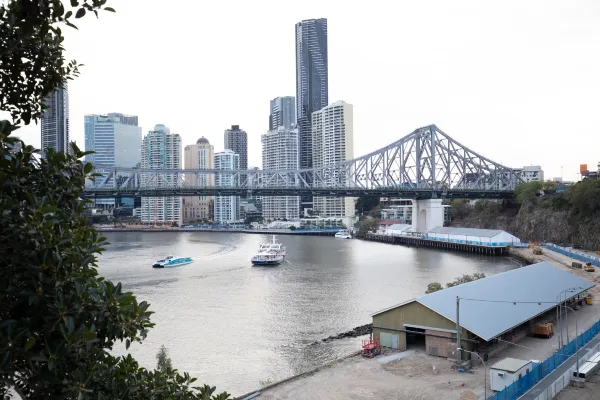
[(427, 214)]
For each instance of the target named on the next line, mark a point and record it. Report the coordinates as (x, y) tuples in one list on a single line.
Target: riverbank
[(412, 374), (299, 232)]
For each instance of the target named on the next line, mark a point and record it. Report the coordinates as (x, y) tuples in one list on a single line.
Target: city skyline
[(471, 88)]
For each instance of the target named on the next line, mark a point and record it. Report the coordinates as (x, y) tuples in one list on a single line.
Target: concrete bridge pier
[(427, 214)]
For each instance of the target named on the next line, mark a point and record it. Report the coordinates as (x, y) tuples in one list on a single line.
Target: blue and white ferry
[(269, 253), (172, 261)]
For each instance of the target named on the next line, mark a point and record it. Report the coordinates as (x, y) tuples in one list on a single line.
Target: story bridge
[(426, 164)]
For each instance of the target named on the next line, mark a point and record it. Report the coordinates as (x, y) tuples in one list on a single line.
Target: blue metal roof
[(486, 305)]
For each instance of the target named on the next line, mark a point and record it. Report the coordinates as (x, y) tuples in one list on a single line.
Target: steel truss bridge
[(422, 165)]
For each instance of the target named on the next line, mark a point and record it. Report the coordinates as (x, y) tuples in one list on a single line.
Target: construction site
[(412, 353)]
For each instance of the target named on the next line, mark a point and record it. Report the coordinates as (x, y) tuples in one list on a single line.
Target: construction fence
[(540, 371), (575, 254)]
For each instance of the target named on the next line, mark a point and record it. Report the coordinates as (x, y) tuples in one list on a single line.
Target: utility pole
[(458, 346)]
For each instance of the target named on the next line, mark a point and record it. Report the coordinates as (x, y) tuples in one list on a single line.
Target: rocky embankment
[(356, 332), (531, 222)]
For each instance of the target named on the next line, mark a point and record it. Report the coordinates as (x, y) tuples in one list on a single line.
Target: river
[(233, 325)]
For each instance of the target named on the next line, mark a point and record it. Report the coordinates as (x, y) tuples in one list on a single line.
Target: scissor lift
[(370, 348)]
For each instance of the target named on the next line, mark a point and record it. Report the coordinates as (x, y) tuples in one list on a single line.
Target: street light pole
[(576, 339), (458, 345), (484, 370)]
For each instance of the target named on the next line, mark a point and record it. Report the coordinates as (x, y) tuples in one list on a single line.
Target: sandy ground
[(421, 377), (417, 376)]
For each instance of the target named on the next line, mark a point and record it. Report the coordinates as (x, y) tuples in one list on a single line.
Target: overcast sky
[(516, 81)]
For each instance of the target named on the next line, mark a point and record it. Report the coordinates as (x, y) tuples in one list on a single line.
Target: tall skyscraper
[(333, 137), (283, 113), (280, 152), (116, 140), (161, 149), (236, 140), (55, 121), (312, 84), (227, 208), (199, 156)]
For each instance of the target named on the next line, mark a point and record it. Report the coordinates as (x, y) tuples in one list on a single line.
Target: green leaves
[(80, 13)]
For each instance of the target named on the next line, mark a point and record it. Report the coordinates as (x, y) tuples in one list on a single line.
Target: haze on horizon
[(517, 82)]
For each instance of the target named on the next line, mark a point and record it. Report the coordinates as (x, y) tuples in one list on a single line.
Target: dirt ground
[(420, 377), (415, 376)]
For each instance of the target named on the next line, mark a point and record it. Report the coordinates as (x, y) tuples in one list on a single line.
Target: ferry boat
[(172, 261), (269, 253), (343, 234)]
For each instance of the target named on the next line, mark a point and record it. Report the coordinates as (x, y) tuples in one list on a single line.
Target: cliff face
[(531, 221)]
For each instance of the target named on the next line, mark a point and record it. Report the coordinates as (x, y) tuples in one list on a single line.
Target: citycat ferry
[(172, 261), (269, 253)]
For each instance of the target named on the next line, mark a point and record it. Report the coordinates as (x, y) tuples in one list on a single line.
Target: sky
[(516, 81)]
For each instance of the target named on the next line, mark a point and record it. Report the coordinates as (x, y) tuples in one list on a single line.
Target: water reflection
[(233, 325)]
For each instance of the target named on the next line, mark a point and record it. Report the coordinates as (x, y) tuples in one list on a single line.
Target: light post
[(576, 340), (559, 315), (459, 349)]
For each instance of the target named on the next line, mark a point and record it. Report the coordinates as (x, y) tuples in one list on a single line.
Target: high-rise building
[(332, 141), (283, 112), (116, 140), (236, 140), (312, 84), (199, 156), (227, 208), (55, 121), (280, 152), (161, 149)]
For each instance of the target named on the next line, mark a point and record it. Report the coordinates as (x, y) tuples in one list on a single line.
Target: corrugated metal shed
[(487, 308), (446, 230), (510, 364)]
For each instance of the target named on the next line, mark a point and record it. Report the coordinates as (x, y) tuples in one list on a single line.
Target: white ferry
[(269, 253), (343, 234), (172, 261)]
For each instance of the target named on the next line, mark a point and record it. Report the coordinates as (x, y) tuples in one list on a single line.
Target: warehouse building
[(493, 237), (489, 309)]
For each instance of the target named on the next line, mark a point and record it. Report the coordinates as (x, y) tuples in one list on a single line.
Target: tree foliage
[(585, 197), (436, 286), (163, 361), (465, 279), (528, 191), (59, 320), (365, 204), (367, 225)]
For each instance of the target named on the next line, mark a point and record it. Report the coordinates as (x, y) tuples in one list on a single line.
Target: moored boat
[(172, 261), (343, 234)]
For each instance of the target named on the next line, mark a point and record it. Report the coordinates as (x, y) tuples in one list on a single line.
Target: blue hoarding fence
[(574, 254), (540, 371)]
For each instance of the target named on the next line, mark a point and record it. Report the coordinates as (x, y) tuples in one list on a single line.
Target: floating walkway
[(419, 241)]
